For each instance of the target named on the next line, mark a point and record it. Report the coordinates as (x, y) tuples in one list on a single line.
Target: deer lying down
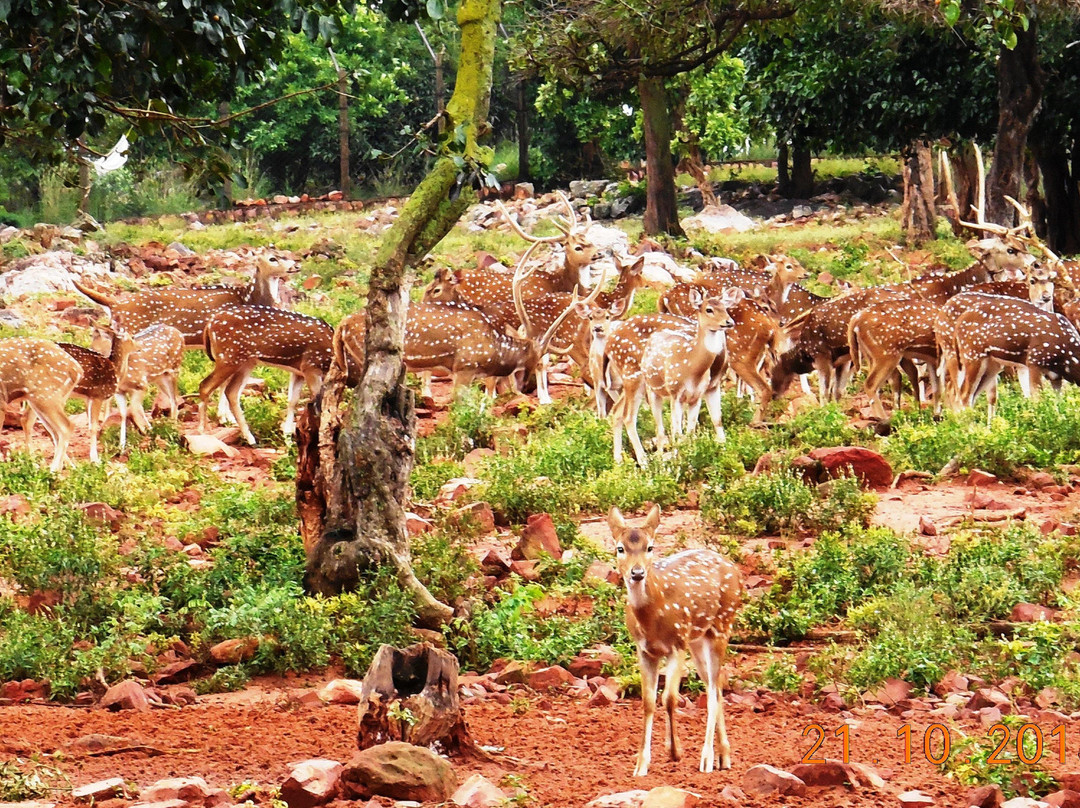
[(41, 374)]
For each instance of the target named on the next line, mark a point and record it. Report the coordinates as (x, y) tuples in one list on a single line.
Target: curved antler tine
[(570, 209), (564, 225), (1025, 217), (520, 274), (517, 227), (980, 210), (574, 300)]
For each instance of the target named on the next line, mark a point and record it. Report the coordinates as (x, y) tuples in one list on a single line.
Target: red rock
[(585, 667), (600, 572), (603, 697), (669, 797), (915, 799), (526, 569), (980, 477), (951, 682), (622, 799), (836, 773), (1022, 802), (825, 278), (1040, 479), (870, 467), (234, 651), (474, 460), (313, 782), (453, 490), (989, 716), (102, 514), (417, 525), (311, 282), (1047, 697), (478, 792), (399, 771), (15, 505), (515, 406), (988, 697), (733, 795), (127, 695), (764, 780), (175, 672), (890, 692), (1031, 613), (477, 514), (927, 526), (341, 691), (1066, 798), (188, 789), (101, 790), (495, 561), (514, 673), (538, 537), (555, 677)]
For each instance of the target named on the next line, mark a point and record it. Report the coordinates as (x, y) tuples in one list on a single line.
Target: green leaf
[(5, 9), (1009, 40), (436, 9), (951, 12)]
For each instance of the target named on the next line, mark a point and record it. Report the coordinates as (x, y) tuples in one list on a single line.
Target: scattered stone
[(554, 677), (603, 697), (1023, 802), (951, 682), (537, 538), (514, 673), (1031, 613), (914, 799), (399, 771), (670, 797), (927, 526), (526, 569), (871, 468), (1066, 798), (126, 695), (988, 697), (733, 795), (764, 780), (980, 477), (989, 716), (179, 671), (188, 789), (475, 459), (477, 513), (101, 790), (208, 445), (341, 691), (234, 651), (716, 219), (836, 773), (622, 799), (890, 692), (417, 525), (453, 490), (313, 782), (988, 796), (1040, 479), (478, 792), (102, 513), (599, 571)]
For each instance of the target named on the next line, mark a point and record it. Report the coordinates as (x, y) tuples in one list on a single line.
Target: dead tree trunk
[(1020, 85), (661, 208), (919, 213), (361, 468)]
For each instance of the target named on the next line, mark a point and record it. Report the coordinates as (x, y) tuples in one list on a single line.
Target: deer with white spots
[(241, 337), (97, 384), (685, 602), (43, 375), (156, 359)]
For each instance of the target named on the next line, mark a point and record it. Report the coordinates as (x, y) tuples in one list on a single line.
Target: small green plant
[(400, 713), (781, 675), (227, 679), (520, 704), (977, 761), (22, 780)]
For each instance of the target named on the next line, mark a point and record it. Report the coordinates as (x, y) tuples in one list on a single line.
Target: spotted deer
[(156, 359), (240, 337), (1000, 331), (43, 375), (684, 602)]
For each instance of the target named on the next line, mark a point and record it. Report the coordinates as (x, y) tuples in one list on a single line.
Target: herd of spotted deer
[(1010, 308)]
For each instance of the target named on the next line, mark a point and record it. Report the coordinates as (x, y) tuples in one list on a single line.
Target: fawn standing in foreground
[(686, 601)]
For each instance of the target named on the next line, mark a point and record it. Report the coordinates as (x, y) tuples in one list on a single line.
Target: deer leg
[(617, 426), (218, 376), (233, 388), (138, 413), (122, 408), (842, 374), (650, 675), (93, 412), (656, 404), (714, 398), (59, 426), (224, 412), (29, 416), (633, 406), (542, 394), (875, 377), (678, 419), (296, 384), (912, 373), (672, 680), (425, 384)]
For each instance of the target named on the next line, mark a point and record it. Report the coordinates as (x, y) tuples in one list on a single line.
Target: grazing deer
[(677, 366), (156, 359), (889, 334), (685, 602), (241, 337), (1000, 331), (42, 374), (97, 385)]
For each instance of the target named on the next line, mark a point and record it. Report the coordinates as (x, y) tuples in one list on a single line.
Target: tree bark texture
[(783, 170), (661, 209), (1020, 86), (919, 213), (364, 458), (1059, 183), (343, 133), (802, 171), (522, 126)]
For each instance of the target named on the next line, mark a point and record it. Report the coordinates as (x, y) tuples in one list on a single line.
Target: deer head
[(634, 547)]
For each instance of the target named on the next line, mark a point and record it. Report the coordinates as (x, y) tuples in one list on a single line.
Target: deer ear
[(652, 521), (637, 267), (582, 310), (618, 307), (732, 296), (516, 332), (695, 296), (615, 520), (458, 276)]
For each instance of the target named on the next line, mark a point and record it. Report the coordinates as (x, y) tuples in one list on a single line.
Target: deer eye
[(620, 550), (648, 549), (1012, 250)]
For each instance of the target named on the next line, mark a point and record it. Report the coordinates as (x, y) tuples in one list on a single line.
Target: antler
[(543, 344), (1033, 239), (520, 274), (527, 236)]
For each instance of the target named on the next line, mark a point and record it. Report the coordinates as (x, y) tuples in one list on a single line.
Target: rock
[(1066, 798), (989, 716), (208, 445), (603, 697), (101, 790), (1023, 802), (526, 569), (988, 796), (871, 468), (623, 799), (1040, 479), (313, 782), (98, 742), (478, 792), (417, 525), (399, 771), (602, 210), (554, 677), (951, 682), (537, 538), (102, 513), (175, 672), (927, 526), (341, 691), (988, 697), (670, 797), (715, 219), (1031, 613), (599, 572), (733, 795), (188, 789), (764, 780), (914, 799), (836, 773), (478, 514), (585, 667), (127, 695), (980, 477), (522, 190), (26, 803), (474, 460), (453, 490), (515, 673), (890, 692), (234, 651)]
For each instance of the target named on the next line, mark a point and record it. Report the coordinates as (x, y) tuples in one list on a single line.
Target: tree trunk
[(343, 133), (227, 183), (522, 131), (661, 208), (919, 214), (1033, 199), (1062, 199), (802, 171), (783, 170), (1020, 85), (363, 462)]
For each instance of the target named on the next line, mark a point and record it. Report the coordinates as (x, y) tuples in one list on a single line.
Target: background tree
[(611, 46)]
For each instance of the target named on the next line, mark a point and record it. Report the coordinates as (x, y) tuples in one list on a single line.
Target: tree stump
[(411, 694)]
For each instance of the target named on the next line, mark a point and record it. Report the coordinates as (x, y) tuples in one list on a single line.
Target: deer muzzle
[(637, 574)]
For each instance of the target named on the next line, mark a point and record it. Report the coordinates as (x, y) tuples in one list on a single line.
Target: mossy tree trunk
[(919, 212), (359, 469), (661, 207)]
